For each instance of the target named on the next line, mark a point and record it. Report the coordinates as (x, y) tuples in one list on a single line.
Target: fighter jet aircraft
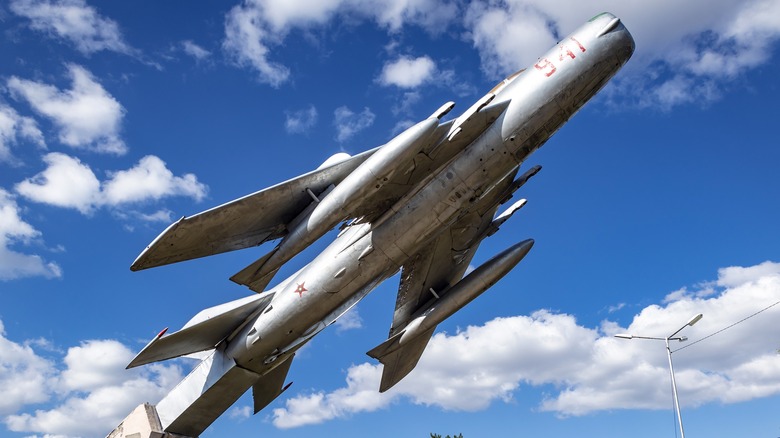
[(421, 203)]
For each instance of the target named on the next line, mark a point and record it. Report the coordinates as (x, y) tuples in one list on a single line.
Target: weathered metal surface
[(444, 184)]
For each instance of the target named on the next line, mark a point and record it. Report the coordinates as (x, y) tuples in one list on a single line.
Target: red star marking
[(300, 289)]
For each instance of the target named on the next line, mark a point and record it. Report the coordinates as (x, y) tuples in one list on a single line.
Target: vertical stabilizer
[(270, 386), (212, 387)]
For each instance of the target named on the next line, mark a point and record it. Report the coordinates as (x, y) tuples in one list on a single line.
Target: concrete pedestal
[(143, 422)]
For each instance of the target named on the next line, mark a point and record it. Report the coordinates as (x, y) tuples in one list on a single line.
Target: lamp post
[(671, 337)]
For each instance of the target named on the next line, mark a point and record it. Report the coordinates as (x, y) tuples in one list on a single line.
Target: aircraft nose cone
[(610, 27)]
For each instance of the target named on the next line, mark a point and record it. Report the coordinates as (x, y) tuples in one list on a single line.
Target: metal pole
[(674, 388)]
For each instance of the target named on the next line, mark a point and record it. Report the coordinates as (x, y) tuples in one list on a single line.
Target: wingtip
[(137, 360), (162, 332), (145, 260)]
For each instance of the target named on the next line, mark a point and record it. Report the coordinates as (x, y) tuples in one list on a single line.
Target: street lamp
[(671, 337)]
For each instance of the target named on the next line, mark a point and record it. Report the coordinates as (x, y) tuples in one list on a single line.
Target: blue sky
[(657, 201)]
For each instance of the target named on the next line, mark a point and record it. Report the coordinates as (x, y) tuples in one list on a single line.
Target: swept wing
[(244, 222), (435, 269)]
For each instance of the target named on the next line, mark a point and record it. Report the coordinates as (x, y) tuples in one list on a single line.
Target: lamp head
[(695, 319), (624, 336)]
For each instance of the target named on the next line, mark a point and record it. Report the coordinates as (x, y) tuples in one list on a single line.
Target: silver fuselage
[(541, 99)]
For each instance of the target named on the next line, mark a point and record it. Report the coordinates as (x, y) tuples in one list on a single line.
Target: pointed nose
[(611, 29)]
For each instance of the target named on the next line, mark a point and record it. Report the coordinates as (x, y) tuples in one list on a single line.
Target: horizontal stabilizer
[(204, 331), (253, 275), (268, 387), (399, 359)]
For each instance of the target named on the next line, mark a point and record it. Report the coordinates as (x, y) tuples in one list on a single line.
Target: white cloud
[(96, 390), (591, 370), (507, 36), (194, 50), (247, 40), (13, 128), (349, 321), (74, 21), (93, 364), (255, 26), (150, 179), (240, 412), (68, 183), (349, 123), (131, 218), (703, 44), (13, 230), (361, 394), (163, 216), (23, 375), (301, 121), (734, 276), (432, 15), (407, 72), (86, 115)]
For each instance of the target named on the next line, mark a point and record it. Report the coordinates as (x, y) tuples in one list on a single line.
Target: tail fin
[(267, 388), (399, 359), (205, 394)]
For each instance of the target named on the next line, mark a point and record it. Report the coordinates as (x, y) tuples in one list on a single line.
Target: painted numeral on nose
[(546, 67)]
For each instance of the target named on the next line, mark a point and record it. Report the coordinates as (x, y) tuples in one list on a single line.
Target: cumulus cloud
[(14, 128), (703, 45), (24, 375), (359, 395), (66, 182), (95, 390), (14, 230), (254, 27), (93, 364), (87, 116), (69, 183), (301, 121), (348, 123), (73, 21), (407, 72), (150, 179), (508, 36), (590, 369)]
